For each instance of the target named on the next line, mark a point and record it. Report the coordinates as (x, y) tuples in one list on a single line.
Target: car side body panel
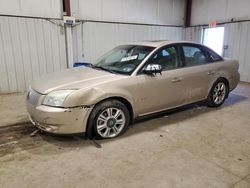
[(125, 87), (159, 91)]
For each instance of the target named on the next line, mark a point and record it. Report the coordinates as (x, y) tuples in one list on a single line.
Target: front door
[(161, 91)]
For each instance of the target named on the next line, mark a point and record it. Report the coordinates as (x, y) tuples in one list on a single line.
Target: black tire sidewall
[(98, 109), (210, 100)]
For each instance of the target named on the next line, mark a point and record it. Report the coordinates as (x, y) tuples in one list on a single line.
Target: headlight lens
[(56, 98)]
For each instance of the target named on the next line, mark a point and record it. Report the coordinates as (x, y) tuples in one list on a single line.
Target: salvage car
[(131, 81)]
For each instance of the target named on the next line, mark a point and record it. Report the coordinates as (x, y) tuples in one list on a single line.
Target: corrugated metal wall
[(170, 12), (33, 46), (32, 8), (29, 48), (237, 37), (193, 34), (204, 11), (92, 39)]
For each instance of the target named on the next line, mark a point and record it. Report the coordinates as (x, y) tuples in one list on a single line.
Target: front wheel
[(218, 93), (109, 119)]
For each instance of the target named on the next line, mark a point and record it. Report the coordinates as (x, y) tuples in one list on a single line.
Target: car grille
[(33, 97)]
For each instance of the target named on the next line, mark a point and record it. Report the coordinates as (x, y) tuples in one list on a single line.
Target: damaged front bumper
[(59, 120)]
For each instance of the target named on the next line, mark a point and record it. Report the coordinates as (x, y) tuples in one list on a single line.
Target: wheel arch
[(222, 78), (89, 128), (227, 82)]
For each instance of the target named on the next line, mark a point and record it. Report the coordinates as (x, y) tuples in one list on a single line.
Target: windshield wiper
[(100, 68), (103, 68)]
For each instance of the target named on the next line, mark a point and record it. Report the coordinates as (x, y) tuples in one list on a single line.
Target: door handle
[(211, 72), (176, 80)]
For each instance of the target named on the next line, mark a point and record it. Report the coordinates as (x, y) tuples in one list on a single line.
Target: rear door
[(198, 73)]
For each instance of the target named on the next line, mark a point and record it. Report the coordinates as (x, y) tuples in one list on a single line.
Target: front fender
[(94, 95)]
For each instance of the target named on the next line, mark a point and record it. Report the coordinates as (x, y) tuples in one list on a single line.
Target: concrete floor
[(194, 147), (12, 114)]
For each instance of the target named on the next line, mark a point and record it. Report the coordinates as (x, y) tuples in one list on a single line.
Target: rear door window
[(213, 56), (193, 56)]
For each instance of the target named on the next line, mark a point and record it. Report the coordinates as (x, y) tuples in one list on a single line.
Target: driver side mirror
[(152, 69)]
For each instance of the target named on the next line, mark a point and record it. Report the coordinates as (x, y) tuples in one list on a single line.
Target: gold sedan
[(130, 81)]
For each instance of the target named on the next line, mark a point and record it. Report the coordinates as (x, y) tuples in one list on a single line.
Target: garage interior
[(193, 146)]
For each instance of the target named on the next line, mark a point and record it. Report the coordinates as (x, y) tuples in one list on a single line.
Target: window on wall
[(213, 38)]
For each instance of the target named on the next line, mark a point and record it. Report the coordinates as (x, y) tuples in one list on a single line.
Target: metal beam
[(69, 46), (68, 34), (66, 7), (188, 13)]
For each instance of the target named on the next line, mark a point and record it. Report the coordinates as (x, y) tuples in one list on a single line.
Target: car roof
[(158, 43)]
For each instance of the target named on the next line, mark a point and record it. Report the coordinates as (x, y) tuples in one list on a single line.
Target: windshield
[(123, 59)]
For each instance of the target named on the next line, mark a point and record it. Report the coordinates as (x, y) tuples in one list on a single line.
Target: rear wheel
[(109, 119), (218, 93)]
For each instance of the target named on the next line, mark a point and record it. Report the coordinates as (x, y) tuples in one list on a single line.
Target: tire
[(108, 119), (218, 93)]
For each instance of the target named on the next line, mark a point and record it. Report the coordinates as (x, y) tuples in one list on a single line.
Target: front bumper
[(59, 120)]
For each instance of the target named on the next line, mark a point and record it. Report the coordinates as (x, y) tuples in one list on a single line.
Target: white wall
[(237, 37), (167, 12), (29, 48), (92, 39), (32, 8), (193, 34), (204, 11)]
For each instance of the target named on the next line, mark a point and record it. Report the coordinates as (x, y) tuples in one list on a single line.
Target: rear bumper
[(59, 120), (233, 82)]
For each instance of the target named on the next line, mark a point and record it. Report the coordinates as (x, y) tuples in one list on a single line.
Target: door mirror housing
[(152, 69)]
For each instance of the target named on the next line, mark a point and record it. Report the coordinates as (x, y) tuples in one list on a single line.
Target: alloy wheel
[(110, 122), (219, 93)]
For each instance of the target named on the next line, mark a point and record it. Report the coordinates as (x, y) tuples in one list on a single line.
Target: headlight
[(56, 98)]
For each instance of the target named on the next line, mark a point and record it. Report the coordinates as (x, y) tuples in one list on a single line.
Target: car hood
[(74, 78)]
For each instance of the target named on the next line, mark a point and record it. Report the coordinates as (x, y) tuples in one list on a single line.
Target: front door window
[(166, 57)]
